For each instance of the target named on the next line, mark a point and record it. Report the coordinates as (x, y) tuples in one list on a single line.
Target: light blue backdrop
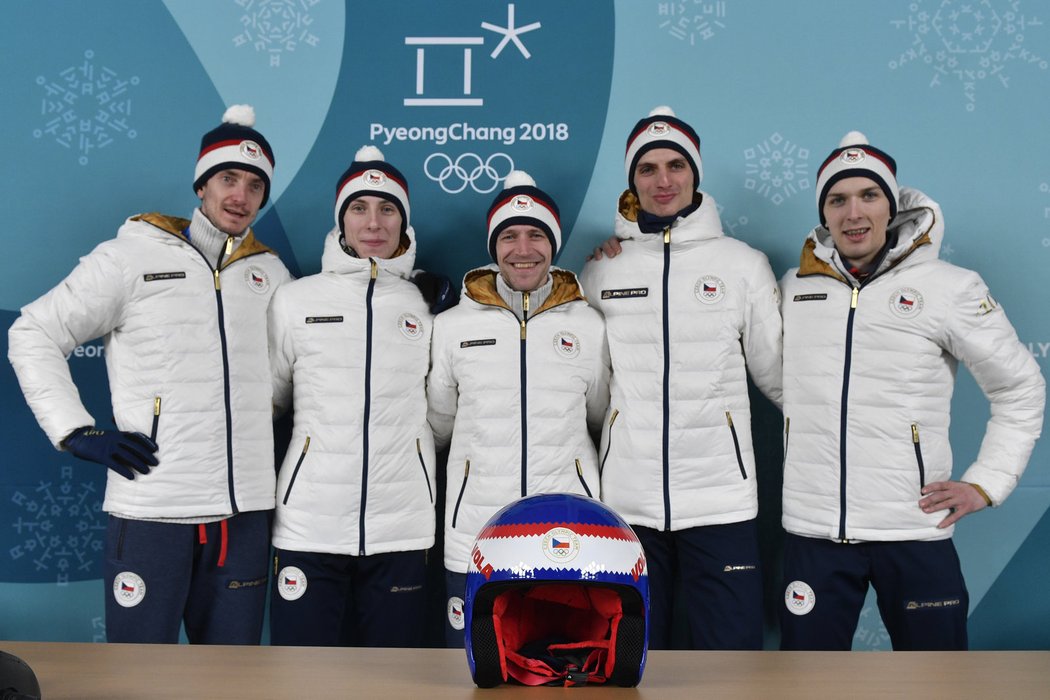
[(104, 103)]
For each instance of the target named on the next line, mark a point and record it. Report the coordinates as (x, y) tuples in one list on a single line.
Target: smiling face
[(231, 200), (857, 214), (664, 181), (372, 227), (523, 254)]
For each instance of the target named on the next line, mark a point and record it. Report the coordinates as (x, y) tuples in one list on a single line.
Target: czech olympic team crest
[(710, 289), (257, 279), (566, 344), (658, 129), (250, 150), (852, 156), (375, 178), (456, 619), (291, 583), (560, 544), (128, 589), (799, 598), (410, 326), (522, 203), (906, 302)]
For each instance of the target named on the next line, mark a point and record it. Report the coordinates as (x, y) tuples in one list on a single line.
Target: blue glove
[(118, 450), (437, 290)]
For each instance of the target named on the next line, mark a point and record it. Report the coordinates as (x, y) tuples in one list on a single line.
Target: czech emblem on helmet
[(557, 594)]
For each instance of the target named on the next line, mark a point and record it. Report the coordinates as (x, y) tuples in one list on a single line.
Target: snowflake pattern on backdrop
[(59, 528), (689, 20), (731, 225), (968, 41), (86, 107), (777, 168), (276, 27)]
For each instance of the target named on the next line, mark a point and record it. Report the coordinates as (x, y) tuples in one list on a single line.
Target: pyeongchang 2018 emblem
[(566, 344), (291, 583), (375, 178), (852, 155), (799, 598), (522, 202), (251, 150), (560, 545), (410, 326), (128, 589), (906, 302), (257, 279), (658, 129), (709, 289)]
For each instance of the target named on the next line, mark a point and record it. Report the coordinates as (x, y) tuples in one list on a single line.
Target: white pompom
[(518, 178), (368, 153), (662, 111), (853, 138), (243, 115)]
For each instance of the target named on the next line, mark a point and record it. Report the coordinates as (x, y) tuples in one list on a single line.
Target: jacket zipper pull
[(853, 300), (226, 253), (525, 312), (375, 268), (667, 235)]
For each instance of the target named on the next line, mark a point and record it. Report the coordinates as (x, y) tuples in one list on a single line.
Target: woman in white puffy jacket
[(349, 349)]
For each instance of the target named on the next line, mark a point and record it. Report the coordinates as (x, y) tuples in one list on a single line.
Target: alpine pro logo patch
[(161, 276), (625, 293)]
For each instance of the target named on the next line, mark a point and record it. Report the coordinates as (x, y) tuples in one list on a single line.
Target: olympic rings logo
[(468, 169)]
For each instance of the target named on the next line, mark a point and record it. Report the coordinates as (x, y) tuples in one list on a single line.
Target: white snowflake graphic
[(688, 20), (968, 42), (86, 107), (730, 225), (61, 527), (776, 168), (276, 27), (871, 634)]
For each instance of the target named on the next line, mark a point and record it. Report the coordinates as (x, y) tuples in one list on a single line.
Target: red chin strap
[(557, 633)]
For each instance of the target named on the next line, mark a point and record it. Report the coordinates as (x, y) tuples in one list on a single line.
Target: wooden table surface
[(113, 671)]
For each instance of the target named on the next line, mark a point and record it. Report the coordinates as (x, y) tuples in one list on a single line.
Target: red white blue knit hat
[(521, 202), (662, 129), (371, 175), (855, 157), (235, 144)]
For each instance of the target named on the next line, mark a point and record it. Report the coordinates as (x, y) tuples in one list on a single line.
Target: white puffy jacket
[(869, 371), (683, 311), (187, 364), (350, 349), (521, 398)]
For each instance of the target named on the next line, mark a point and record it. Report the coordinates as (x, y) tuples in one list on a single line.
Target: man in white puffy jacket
[(874, 328), (181, 305), (350, 349), (689, 312), (518, 380)]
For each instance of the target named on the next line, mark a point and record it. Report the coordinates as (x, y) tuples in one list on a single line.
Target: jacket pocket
[(459, 499), (423, 464), (579, 473), (608, 443), (295, 472), (120, 538), (918, 454), (156, 419), (736, 446), (787, 439)]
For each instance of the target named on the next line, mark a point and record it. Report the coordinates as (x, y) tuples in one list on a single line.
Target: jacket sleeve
[(282, 353), (980, 335), (762, 336), (86, 305), (442, 387), (598, 393)]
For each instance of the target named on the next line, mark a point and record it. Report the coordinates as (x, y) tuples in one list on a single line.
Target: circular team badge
[(128, 589), (560, 544), (375, 178), (799, 598), (709, 289), (852, 156), (257, 279), (522, 202), (658, 129), (291, 583), (410, 326), (566, 344), (455, 613), (251, 150), (906, 302)]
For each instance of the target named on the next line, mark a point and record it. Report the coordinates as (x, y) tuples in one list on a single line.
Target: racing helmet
[(557, 594)]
